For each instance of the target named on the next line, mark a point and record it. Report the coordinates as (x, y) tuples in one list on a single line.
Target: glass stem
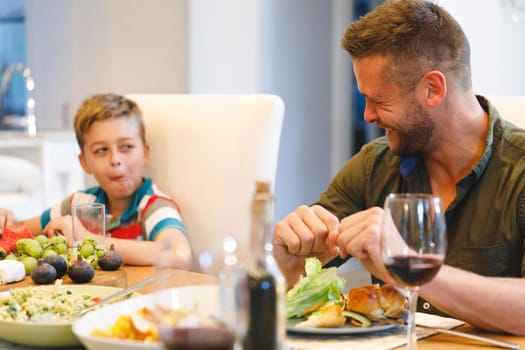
[(412, 295)]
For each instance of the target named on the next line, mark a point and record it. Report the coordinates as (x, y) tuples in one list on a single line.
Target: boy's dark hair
[(102, 107), (417, 36)]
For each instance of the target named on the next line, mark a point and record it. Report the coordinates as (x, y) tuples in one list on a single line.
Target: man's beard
[(415, 131)]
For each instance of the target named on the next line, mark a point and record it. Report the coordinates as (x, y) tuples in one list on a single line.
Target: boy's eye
[(100, 150), (127, 147)]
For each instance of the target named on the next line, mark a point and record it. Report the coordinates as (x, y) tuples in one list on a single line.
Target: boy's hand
[(61, 226), (6, 218)]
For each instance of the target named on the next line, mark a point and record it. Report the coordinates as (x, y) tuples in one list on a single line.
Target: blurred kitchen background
[(72, 49)]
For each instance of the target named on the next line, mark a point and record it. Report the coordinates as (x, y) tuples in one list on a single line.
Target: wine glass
[(196, 319), (413, 245), (222, 259)]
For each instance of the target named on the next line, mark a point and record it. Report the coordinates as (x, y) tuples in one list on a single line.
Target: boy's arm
[(7, 218), (33, 224), (134, 252)]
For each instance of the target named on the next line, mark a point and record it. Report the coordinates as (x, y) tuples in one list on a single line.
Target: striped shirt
[(150, 212)]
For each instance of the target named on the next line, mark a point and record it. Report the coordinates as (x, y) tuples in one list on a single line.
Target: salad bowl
[(49, 333)]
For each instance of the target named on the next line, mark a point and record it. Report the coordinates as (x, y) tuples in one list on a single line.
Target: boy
[(111, 136)]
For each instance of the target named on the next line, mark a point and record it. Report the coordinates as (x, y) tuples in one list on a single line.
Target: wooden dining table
[(129, 275)]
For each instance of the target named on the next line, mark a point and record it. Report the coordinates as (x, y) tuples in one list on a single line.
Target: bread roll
[(392, 301), (376, 302), (365, 300)]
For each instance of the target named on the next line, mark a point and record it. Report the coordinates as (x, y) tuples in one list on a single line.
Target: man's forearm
[(491, 303)]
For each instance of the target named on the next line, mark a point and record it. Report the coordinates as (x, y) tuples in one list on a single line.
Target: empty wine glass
[(413, 245)]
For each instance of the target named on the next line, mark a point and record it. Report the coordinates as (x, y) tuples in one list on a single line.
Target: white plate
[(202, 298), (347, 329), (49, 334)]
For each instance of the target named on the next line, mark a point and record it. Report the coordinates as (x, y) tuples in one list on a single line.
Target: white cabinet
[(56, 155)]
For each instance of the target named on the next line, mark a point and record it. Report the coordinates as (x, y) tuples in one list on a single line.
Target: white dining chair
[(207, 151), (20, 186), (511, 108)]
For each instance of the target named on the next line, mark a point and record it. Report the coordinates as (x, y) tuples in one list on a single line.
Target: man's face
[(116, 156), (408, 126)]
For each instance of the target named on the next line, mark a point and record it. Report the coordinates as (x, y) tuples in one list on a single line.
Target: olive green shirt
[(486, 220)]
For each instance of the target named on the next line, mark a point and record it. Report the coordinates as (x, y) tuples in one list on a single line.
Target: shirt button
[(426, 306)]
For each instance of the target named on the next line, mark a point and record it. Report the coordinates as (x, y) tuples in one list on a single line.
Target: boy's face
[(116, 156)]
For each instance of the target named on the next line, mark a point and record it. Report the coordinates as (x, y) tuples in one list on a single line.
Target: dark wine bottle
[(264, 283)]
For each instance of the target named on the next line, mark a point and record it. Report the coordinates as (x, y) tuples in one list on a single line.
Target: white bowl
[(49, 334), (202, 298)]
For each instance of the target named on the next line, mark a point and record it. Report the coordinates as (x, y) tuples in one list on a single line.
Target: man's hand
[(360, 236), (301, 234)]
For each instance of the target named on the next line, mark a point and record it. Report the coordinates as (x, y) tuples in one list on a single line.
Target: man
[(412, 64)]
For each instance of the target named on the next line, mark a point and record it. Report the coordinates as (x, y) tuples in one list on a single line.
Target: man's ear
[(83, 163), (433, 88)]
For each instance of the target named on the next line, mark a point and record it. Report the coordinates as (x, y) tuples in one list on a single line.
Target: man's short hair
[(417, 36)]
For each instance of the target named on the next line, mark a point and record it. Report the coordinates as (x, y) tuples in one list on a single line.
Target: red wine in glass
[(413, 245), (413, 270), (197, 338)]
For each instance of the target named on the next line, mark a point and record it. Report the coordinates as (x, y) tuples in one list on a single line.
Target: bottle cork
[(263, 187)]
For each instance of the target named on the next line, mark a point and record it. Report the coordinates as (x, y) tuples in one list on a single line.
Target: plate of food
[(316, 304), (46, 313), (346, 329), (129, 324)]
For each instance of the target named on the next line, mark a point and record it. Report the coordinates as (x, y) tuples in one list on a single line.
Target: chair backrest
[(511, 108), (207, 151), (20, 186)]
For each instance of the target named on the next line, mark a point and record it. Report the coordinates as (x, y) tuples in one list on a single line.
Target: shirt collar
[(492, 133), (132, 209), (141, 191), (408, 164)]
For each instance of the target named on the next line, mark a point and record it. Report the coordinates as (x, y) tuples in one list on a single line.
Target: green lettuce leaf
[(318, 285)]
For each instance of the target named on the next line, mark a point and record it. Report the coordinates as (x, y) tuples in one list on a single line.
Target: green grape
[(48, 245), (21, 256), (48, 252), (100, 252), (11, 256), (94, 261), (58, 239), (33, 248), (61, 248), (89, 240), (41, 239), (86, 250), (72, 254), (20, 244), (29, 264)]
